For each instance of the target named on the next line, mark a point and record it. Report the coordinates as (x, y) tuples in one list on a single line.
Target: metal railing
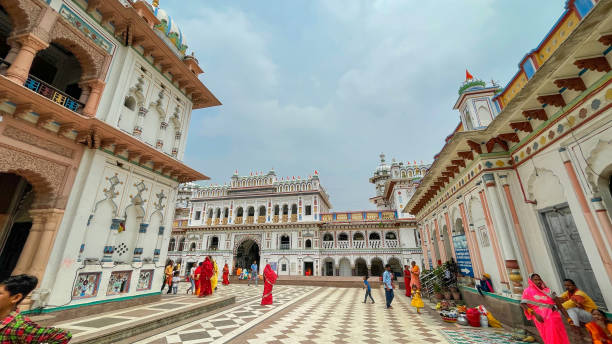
[(50, 92), (285, 246), (391, 243)]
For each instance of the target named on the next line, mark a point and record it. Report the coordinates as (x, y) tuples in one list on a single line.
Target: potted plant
[(447, 294), (437, 291)]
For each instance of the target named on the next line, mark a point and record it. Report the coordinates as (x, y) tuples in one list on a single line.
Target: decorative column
[(433, 250), (159, 143), (450, 236), (20, 68), (160, 239), (424, 248), (441, 249), (142, 112), (586, 212), (139, 241), (35, 253), (109, 248), (12, 54), (95, 92), (503, 274), (603, 217), (474, 257), (517, 230)]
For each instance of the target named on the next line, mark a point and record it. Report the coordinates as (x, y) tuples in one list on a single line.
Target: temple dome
[(170, 29)]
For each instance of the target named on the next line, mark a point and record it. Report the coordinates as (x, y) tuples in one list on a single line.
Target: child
[(416, 302), (16, 328), (175, 282), (368, 290)]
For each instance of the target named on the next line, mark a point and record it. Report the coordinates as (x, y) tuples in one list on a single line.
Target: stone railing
[(285, 246), (293, 217), (50, 92), (359, 244), (250, 219), (375, 244), (238, 220), (391, 243), (328, 244), (275, 219), (261, 219), (344, 244)]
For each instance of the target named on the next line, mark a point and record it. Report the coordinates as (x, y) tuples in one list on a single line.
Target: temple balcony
[(359, 244), (250, 220), (275, 219), (375, 243), (328, 244), (344, 244), (391, 243), (294, 218), (238, 220), (261, 219), (46, 90), (285, 246)]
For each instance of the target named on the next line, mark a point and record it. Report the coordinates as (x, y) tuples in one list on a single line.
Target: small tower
[(475, 104)]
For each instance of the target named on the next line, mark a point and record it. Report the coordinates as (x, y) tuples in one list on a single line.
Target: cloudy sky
[(328, 85)]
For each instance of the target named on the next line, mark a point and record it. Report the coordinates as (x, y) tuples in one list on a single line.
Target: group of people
[(545, 309), (203, 278), (412, 283)]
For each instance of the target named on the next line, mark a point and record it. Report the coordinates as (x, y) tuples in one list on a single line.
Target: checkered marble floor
[(223, 326), (337, 315)]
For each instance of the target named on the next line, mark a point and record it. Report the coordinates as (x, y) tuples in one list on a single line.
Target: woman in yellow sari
[(215, 278)]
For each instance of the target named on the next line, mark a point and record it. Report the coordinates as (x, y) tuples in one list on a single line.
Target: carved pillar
[(449, 232), (160, 239), (109, 248), (20, 68), (96, 87), (12, 54), (139, 241), (159, 143), (441, 249), (586, 212), (434, 260), (475, 258), (142, 112), (494, 242)]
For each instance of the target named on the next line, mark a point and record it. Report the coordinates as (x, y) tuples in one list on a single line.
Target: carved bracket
[(575, 84), (536, 113), (599, 64), (552, 99), (522, 126)]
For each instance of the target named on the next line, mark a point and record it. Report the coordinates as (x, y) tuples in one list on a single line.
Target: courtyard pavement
[(306, 314)]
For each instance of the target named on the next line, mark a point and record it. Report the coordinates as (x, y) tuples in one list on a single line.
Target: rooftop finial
[(382, 157), (156, 3)]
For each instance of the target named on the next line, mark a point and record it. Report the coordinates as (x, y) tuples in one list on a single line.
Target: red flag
[(468, 76)]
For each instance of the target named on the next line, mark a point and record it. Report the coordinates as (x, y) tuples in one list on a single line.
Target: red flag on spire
[(468, 76)]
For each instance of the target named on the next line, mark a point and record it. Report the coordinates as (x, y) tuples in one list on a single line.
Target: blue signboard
[(463, 255)]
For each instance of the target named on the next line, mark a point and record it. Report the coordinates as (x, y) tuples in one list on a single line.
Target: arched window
[(374, 236), (239, 212), (181, 245), (403, 174), (358, 236), (251, 211), (285, 209), (172, 244), (210, 214), (218, 213), (390, 236), (276, 210), (214, 243), (308, 243), (343, 237), (192, 247), (226, 213), (294, 209), (285, 243), (410, 174), (262, 211), (328, 237), (309, 186)]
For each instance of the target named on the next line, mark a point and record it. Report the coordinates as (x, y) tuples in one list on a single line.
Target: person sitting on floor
[(600, 328), (485, 284), (577, 303)]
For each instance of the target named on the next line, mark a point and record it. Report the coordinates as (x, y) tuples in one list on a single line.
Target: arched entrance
[(246, 253), (361, 266), (328, 267), (396, 266), (377, 267), (345, 267), (15, 221)]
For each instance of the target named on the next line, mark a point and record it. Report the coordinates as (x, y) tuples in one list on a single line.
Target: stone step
[(113, 327)]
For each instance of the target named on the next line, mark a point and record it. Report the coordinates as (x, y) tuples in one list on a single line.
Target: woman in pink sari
[(269, 277), (539, 305)]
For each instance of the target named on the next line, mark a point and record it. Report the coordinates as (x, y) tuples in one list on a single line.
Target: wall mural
[(119, 283), (86, 285), (144, 280)]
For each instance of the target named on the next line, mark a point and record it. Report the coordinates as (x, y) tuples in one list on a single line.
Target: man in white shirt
[(387, 281)]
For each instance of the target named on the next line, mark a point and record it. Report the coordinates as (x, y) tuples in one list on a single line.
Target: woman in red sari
[(407, 284), (205, 276), (225, 275), (269, 277)]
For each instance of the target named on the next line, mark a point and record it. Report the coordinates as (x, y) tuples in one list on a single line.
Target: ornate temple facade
[(95, 100), (523, 185), (288, 223)]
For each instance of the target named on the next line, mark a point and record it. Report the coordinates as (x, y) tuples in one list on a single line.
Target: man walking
[(388, 286), (254, 276)]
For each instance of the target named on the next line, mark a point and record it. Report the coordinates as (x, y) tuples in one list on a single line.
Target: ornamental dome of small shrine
[(169, 28)]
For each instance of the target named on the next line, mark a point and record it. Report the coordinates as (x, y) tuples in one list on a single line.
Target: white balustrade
[(359, 244), (375, 244), (343, 244), (391, 243), (328, 244)]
